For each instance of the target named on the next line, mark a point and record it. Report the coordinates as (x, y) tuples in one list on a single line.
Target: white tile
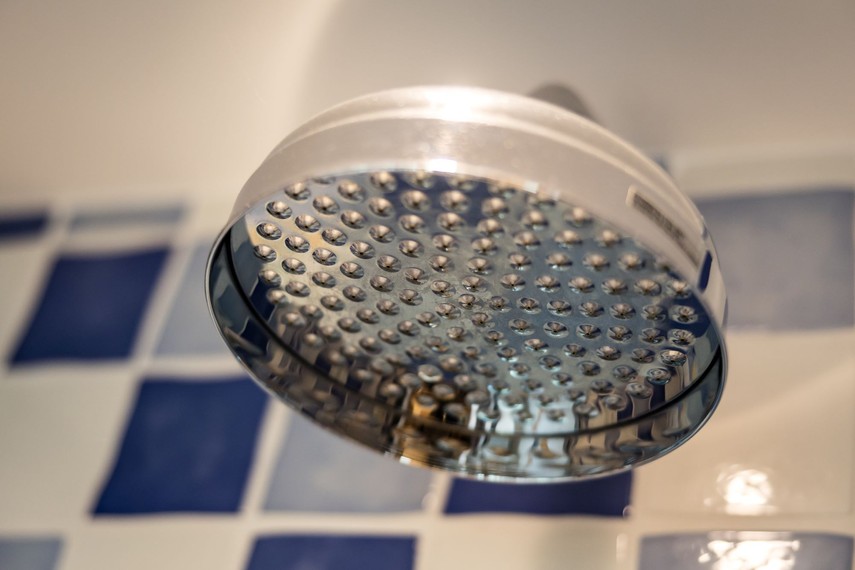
[(524, 543), (781, 440), (58, 429), (158, 543)]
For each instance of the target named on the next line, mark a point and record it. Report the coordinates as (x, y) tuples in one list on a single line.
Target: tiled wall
[(129, 438)]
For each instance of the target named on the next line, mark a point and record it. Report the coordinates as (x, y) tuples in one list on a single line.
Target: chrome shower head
[(474, 281)]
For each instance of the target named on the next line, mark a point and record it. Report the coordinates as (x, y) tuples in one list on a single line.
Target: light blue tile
[(29, 553), (793, 551), (787, 259), (189, 329), (317, 471), (159, 216)]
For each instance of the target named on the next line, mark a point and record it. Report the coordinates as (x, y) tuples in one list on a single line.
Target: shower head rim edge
[(302, 135), (656, 186), (494, 107)]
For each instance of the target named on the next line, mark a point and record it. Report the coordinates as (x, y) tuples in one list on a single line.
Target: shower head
[(474, 281)]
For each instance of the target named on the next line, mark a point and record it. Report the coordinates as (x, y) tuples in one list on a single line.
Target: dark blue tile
[(608, 496), (318, 471), (331, 552), (787, 259), (29, 553), (704, 551), (91, 307), (188, 447), (22, 225)]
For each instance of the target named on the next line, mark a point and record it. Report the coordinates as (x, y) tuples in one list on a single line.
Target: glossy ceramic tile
[(59, 427), (317, 471), (188, 447), (161, 543), (29, 553), (787, 258), (91, 307), (123, 219), (321, 552), (134, 443), (523, 543), (747, 550), (106, 227), (607, 496), (780, 442), (189, 330)]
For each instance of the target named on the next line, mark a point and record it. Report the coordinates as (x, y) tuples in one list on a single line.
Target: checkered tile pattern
[(130, 437)]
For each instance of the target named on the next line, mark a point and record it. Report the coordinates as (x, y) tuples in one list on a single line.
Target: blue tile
[(146, 216), (188, 447), (787, 259), (608, 496), (22, 225), (317, 471), (331, 552), (91, 307), (794, 551), (29, 553), (189, 329)]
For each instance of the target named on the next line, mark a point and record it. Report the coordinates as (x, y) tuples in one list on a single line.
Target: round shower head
[(474, 281)]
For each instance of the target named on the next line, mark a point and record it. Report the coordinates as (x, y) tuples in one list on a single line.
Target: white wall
[(113, 96)]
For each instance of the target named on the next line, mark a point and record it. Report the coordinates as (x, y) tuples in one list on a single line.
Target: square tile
[(158, 543), (787, 259), (331, 552), (91, 307), (189, 329), (320, 472), (58, 431), (608, 496), (124, 219), (22, 225), (105, 227), (526, 543), (779, 442), (29, 553), (762, 550), (188, 447)]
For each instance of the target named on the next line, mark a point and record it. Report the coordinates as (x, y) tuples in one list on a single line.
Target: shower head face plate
[(459, 321)]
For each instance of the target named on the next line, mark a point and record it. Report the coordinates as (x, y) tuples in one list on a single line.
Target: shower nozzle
[(474, 281)]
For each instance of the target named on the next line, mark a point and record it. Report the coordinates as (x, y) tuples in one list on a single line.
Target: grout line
[(160, 302), (206, 367), (433, 516), (435, 501), (162, 297), (272, 433), (51, 240)]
